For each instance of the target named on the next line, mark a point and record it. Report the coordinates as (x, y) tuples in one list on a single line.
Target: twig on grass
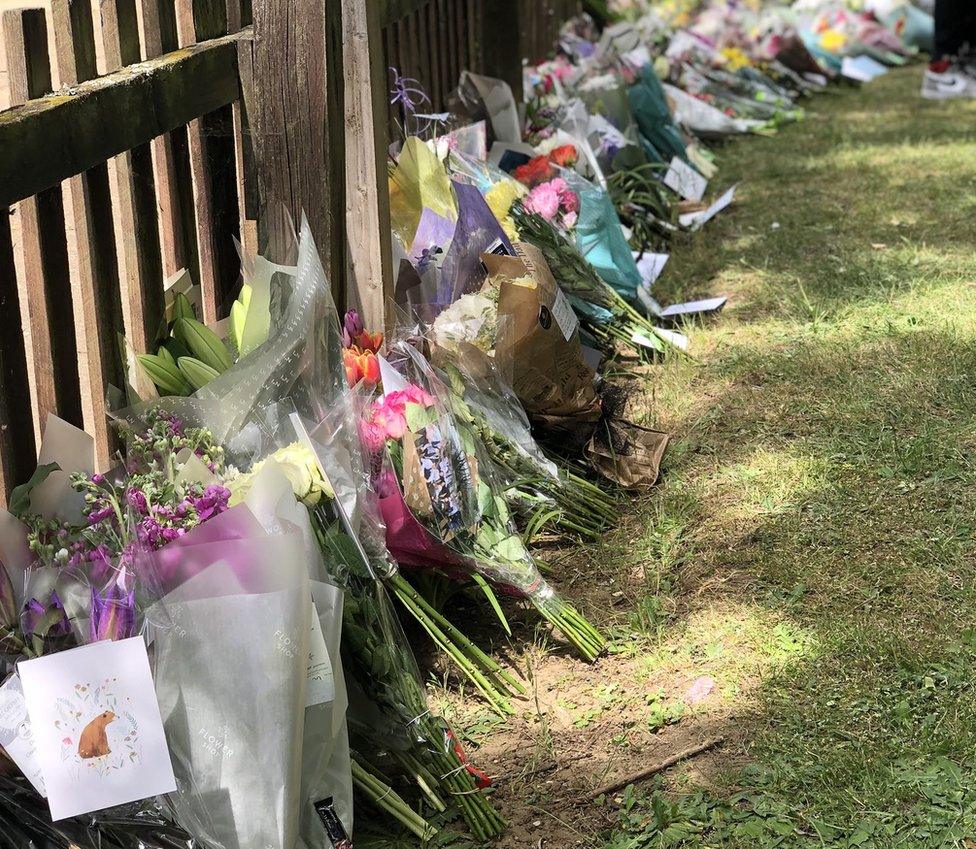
[(656, 768)]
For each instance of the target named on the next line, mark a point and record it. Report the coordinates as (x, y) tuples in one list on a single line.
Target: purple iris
[(36, 613)]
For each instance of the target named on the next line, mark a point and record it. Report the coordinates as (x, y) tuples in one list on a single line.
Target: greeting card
[(16, 736), (96, 726)]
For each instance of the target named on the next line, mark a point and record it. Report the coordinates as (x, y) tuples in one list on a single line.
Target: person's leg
[(948, 75), (951, 18)]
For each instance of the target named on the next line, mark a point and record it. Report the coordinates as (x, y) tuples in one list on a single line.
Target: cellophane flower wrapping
[(601, 239), (231, 648), (440, 501), (25, 823), (297, 369), (660, 137)]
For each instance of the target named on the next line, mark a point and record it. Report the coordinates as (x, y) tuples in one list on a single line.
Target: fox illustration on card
[(94, 740)]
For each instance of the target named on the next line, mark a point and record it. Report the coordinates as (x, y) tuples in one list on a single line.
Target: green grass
[(812, 544)]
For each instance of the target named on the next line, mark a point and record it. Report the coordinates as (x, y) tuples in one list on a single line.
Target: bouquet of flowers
[(291, 438), (535, 486), (439, 502)]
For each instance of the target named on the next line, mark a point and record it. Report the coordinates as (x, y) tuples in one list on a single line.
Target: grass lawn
[(815, 528)]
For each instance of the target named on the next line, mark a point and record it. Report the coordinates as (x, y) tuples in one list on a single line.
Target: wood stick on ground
[(656, 768)]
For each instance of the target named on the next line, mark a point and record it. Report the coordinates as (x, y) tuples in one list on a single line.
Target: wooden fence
[(140, 137)]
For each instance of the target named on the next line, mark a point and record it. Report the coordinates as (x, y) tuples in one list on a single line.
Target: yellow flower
[(502, 195), (832, 40), (735, 58)]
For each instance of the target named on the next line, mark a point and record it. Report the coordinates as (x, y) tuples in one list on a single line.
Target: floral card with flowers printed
[(96, 726)]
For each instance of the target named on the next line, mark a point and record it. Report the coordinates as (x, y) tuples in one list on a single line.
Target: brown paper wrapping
[(548, 372)]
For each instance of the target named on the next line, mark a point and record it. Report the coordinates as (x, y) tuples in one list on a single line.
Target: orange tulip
[(360, 365), (367, 341)]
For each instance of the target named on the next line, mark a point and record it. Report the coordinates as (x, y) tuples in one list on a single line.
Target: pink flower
[(372, 436), (66, 741), (387, 418), (391, 421), (568, 199), (417, 395), (543, 200)]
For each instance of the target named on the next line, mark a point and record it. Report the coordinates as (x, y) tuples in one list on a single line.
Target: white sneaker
[(949, 85)]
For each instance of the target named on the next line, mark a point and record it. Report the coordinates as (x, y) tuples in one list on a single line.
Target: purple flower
[(97, 516), (352, 326), (137, 499), (213, 501), (113, 614), (97, 478), (149, 532), (51, 617)]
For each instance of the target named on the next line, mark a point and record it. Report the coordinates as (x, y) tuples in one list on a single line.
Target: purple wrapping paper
[(477, 232), (186, 557)]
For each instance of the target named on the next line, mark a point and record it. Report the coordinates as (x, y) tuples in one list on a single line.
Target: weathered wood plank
[(285, 83), (40, 254), (196, 21), (243, 155), (370, 274), (172, 237), (498, 40), (90, 241), (17, 448), (133, 193), (390, 11), (48, 139)]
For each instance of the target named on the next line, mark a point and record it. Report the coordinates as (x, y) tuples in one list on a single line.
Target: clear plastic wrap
[(230, 650), (25, 823), (534, 485), (440, 502)]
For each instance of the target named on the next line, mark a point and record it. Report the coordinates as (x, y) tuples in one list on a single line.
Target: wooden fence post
[(133, 193), (499, 41), (212, 166), (370, 280), (174, 240), (92, 256), (290, 103)]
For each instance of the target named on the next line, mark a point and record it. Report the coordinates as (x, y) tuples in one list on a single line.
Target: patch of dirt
[(581, 727)]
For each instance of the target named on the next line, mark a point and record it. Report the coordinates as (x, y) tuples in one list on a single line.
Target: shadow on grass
[(834, 494)]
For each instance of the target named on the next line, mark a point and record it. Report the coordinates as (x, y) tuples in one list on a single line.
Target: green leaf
[(20, 495), (492, 600), (418, 416)]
